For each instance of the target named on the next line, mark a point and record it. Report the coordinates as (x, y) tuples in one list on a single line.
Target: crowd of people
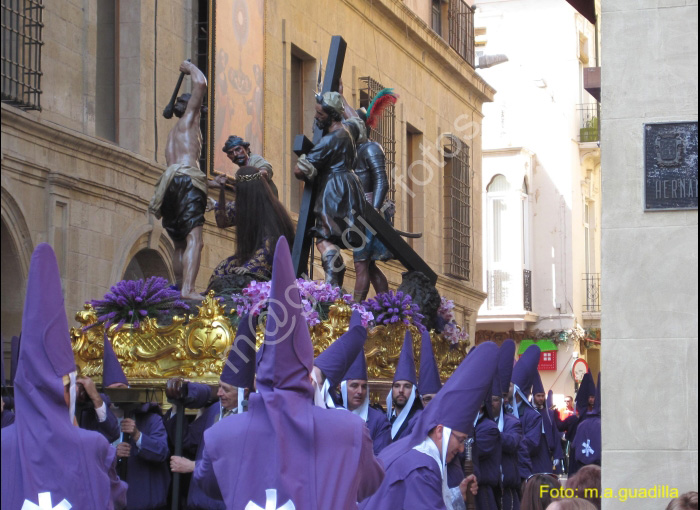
[(285, 430)]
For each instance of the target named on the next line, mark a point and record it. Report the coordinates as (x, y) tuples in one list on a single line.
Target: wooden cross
[(369, 217)]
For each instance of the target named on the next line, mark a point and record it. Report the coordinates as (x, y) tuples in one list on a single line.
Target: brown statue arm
[(199, 89)]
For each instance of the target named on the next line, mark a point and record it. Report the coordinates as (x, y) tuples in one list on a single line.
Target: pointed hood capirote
[(239, 367), (358, 369), (537, 386), (429, 380), (44, 451), (525, 369), (337, 358), (287, 353), (456, 405), (112, 372), (406, 367), (506, 357), (586, 389)]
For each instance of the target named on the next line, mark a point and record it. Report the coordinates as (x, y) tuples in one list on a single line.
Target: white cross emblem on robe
[(45, 503), (587, 450), (271, 502)]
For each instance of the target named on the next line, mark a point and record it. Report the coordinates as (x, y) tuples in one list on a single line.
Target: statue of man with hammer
[(180, 197)]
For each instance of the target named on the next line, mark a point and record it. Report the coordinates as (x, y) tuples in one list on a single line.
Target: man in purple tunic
[(355, 395), (539, 401), (429, 377), (533, 448), (238, 375), (100, 417), (285, 451), (511, 433), (403, 405), (416, 465), (587, 441), (585, 402), (331, 365), (46, 459)]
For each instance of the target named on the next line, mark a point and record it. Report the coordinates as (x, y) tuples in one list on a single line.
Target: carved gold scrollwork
[(195, 346)]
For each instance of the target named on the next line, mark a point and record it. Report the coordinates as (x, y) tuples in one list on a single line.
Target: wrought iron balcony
[(592, 292), (461, 36), (589, 126)]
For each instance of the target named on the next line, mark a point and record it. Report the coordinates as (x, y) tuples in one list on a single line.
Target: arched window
[(13, 285), (146, 263)]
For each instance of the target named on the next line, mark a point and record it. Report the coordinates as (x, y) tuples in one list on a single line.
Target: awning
[(544, 345), (585, 7)]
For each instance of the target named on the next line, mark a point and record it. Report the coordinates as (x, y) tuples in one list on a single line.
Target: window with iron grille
[(21, 52), (461, 36), (384, 133), (457, 209)]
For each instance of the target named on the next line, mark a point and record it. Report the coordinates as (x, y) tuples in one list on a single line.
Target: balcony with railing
[(589, 126), (460, 17)]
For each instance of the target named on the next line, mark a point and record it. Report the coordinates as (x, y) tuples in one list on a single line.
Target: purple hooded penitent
[(588, 442), (288, 451), (358, 369), (525, 369), (406, 367), (506, 357), (414, 478), (239, 368), (43, 452), (537, 386), (586, 389), (112, 372), (429, 379), (335, 360)]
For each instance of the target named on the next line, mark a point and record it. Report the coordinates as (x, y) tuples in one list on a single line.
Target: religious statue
[(340, 199), (371, 169), (238, 151), (180, 197)]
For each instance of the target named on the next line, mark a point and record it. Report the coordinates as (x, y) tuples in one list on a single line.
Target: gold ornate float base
[(196, 346)]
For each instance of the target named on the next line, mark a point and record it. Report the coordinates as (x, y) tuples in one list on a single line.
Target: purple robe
[(109, 428), (410, 421), (43, 451), (193, 439), (379, 429), (285, 449), (148, 472), (487, 442), (587, 443), (241, 483), (414, 479), (415, 484), (511, 437), (534, 445), (8, 418)]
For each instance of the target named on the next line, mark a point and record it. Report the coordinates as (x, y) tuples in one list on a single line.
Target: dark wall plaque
[(671, 166)]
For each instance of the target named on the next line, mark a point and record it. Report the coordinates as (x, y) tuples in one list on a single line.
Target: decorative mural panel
[(237, 83)]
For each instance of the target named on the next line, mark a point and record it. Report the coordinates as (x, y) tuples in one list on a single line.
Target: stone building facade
[(79, 172), (541, 184), (650, 262)]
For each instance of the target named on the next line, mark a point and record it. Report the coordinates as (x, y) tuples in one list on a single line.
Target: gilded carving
[(195, 346)]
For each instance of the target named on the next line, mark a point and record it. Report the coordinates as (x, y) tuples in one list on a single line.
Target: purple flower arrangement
[(131, 301), (392, 308), (450, 330), (253, 300)]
